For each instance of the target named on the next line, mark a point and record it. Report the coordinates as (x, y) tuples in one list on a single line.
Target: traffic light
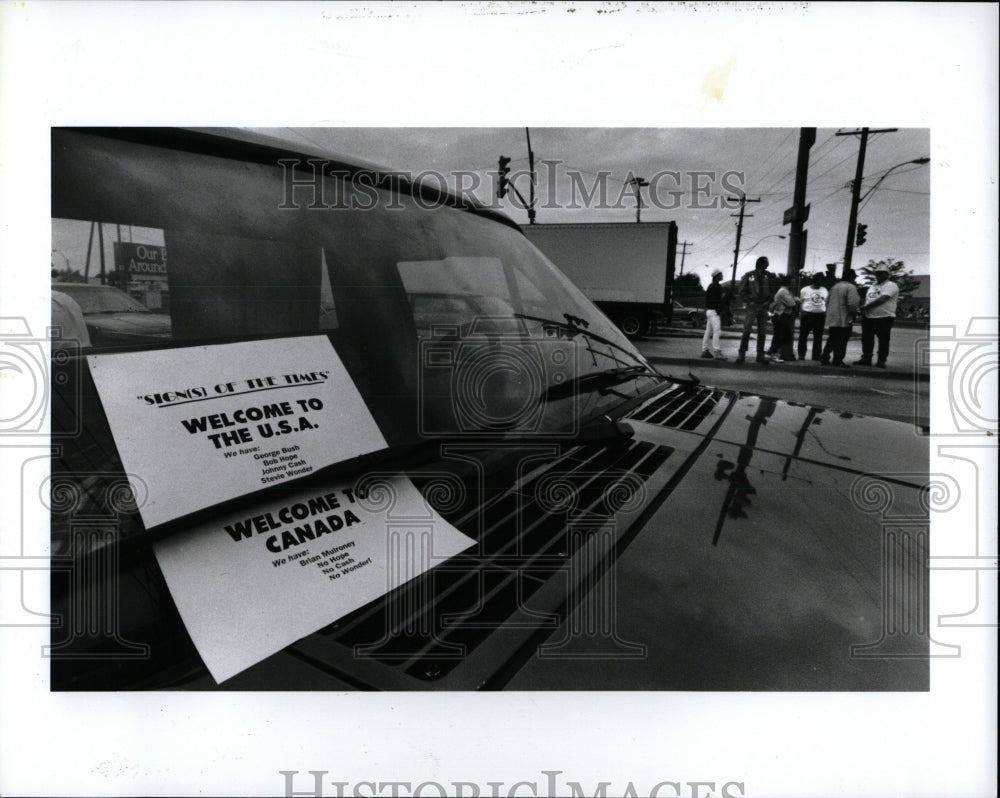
[(502, 171), (862, 235)]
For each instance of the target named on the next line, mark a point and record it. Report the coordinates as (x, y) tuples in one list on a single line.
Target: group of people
[(824, 303)]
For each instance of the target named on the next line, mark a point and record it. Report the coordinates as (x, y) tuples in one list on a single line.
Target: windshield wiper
[(578, 326), (573, 326), (597, 380)]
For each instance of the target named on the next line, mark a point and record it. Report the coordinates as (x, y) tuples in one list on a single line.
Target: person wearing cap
[(813, 297), (714, 306), (878, 313), (841, 308), (757, 290)]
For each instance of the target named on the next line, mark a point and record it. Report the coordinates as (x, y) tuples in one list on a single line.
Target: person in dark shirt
[(757, 290), (714, 307), (842, 306)]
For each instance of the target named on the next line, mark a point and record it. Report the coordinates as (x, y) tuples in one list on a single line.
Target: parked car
[(113, 318), (631, 529), (684, 314)]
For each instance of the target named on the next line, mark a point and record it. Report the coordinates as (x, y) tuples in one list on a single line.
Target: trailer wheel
[(632, 325)]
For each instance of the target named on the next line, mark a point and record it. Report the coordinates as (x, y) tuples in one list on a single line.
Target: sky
[(707, 164), (700, 170)]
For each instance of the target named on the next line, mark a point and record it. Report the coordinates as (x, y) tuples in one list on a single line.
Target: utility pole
[(798, 214), (856, 189), (739, 229), (637, 183), (90, 246), (531, 168), (116, 275), (100, 244), (684, 244)]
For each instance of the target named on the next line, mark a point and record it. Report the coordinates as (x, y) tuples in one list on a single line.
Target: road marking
[(884, 393)]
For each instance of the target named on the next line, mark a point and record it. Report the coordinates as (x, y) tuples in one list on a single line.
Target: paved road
[(900, 393)]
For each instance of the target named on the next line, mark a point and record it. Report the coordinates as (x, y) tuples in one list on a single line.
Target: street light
[(735, 260), (885, 174), (762, 240), (857, 196)]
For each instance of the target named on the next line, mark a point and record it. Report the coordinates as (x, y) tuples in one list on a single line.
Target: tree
[(66, 276), (688, 290), (904, 279)]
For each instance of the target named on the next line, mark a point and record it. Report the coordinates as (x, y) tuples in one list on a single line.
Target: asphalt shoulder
[(679, 347)]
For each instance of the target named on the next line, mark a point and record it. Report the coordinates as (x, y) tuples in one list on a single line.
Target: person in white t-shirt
[(813, 316), (878, 313)]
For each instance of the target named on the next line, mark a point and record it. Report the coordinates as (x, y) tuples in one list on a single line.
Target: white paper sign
[(201, 425), (252, 582)]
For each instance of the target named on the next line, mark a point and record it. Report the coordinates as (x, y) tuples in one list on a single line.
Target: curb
[(855, 371)]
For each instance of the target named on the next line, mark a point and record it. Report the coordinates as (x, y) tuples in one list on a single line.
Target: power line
[(739, 230), (812, 164), (906, 191), (842, 160), (763, 175)]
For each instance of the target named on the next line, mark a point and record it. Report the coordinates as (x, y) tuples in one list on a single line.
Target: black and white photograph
[(587, 507), (637, 442)]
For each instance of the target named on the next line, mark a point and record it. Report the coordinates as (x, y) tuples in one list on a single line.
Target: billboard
[(141, 271)]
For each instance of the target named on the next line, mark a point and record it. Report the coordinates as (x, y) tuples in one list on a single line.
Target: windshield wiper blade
[(596, 380), (577, 326), (572, 325)]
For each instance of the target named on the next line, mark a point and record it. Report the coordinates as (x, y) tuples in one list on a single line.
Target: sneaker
[(776, 359), (762, 359), (825, 361), (706, 354), (863, 362), (842, 364), (717, 355), (880, 365)]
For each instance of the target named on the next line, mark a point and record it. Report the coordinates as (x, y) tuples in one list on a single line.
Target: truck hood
[(769, 566), (748, 555), (140, 324)]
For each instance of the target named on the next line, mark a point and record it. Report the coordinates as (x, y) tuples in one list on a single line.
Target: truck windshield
[(441, 316)]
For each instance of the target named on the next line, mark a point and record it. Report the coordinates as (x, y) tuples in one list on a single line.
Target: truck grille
[(680, 407), (426, 628)]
